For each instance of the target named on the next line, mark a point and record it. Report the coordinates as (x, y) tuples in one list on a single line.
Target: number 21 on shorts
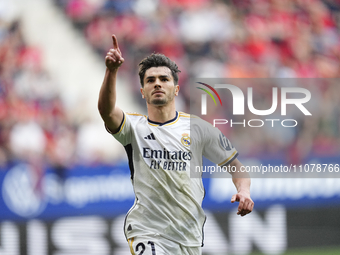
[(140, 248)]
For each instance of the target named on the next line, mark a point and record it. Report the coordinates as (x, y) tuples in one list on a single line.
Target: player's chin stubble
[(161, 101)]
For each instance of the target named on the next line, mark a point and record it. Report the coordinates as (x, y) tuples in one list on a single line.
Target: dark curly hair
[(156, 60)]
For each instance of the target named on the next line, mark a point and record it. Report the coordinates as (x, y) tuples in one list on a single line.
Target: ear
[(142, 92), (176, 90)]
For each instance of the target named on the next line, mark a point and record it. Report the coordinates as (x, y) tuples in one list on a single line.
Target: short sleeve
[(124, 133), (216, 146)]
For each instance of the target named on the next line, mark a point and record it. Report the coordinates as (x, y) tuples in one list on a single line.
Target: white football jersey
[(168, 202)]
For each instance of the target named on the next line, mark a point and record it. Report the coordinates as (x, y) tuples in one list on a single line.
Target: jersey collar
[(167, 123)]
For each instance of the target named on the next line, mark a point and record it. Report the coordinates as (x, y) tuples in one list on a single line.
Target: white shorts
[(156, 245)]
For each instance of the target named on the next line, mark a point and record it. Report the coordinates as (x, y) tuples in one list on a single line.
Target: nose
[(157, 83)]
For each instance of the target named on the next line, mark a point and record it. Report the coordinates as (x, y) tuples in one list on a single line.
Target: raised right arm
[(110, 113)]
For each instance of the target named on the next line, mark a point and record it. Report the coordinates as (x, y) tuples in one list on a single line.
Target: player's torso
[(165, 147), (163, 154), (166, 194)]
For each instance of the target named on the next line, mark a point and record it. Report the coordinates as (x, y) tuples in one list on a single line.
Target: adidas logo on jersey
[(150, 137), (129, 228)]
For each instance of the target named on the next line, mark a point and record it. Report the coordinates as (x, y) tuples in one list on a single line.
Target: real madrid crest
[(185, 140)]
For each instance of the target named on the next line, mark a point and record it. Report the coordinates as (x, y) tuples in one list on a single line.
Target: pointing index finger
[(115, 42)]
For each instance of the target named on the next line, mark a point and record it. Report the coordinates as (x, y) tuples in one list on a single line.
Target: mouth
[(158, 92)]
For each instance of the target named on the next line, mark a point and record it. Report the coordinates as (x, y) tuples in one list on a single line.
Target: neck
[(161, 114)]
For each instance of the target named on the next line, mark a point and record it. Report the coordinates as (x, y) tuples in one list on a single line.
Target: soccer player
[(167, 217)]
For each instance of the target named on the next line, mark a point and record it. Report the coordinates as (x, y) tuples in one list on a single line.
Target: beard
[(161, 101)]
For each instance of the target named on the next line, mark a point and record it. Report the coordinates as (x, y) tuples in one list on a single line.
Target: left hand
[(246, 204)]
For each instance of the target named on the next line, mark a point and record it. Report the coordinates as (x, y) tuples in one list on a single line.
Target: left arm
[(242, 184)]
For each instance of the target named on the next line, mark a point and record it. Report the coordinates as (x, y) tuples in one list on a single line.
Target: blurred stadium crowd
[(33, 122), (237, 39)]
